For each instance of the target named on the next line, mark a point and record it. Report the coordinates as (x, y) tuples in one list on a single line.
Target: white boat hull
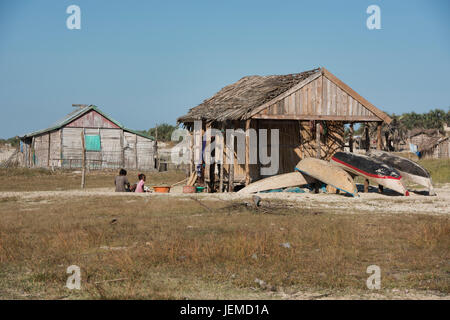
[(329, 174), (285, 180)]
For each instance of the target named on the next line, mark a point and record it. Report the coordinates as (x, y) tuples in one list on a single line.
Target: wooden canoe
[(409, 169), (371, 169), (329, 174), (285, 180)]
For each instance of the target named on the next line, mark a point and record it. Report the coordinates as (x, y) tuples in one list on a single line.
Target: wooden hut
[(105, 143), (309, 109), (436, 148)]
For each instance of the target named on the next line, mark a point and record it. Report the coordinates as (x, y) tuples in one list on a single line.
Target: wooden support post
[(231, 166), (366, 185), (191, 153), (350, 138), (258, 163), (247, 152), (207, 174), (83, 161), (366, 135), (318, 139), (222, 153), (300, 128), (379, 135)]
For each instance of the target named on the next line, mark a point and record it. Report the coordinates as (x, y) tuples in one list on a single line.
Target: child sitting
[(121, 181), (140, 184)]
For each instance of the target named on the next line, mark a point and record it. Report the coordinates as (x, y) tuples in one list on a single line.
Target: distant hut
[(435, 148), (309, 109), (106, 142), (423, 137)]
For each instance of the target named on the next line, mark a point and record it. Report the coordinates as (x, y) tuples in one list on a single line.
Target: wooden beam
[(191, 151), (207, 174), (350, 138), (367, 138), (379, 136), (318, 139), (222, 151), (383, 116), (247, 152), (231, 166), (318, 117)]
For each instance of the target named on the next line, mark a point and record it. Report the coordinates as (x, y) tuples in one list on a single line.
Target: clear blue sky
[(147, 62)]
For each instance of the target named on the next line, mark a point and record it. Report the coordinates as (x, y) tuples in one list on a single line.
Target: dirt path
[(371, 202)]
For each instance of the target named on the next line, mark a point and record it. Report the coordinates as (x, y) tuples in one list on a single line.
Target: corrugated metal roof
[(78, 113)]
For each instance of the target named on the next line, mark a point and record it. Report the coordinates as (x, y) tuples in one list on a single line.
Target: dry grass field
[(206, 247)]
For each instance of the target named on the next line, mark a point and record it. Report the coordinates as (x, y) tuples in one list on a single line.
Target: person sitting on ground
[(121, 182), (140, 184)]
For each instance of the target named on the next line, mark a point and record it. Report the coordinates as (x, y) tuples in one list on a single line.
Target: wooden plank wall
[(111, 154), (55, 149), (289, 147), (320, 97), (297, 141), (71, 147), (92, 119), (41, 150), (145, 153), (130, 150)]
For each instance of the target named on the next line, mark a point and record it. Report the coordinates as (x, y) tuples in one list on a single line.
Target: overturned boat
[(285, 180), (329, 174), (409, 169), (371, 169)]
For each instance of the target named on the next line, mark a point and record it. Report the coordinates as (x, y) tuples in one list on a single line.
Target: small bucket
[(161, 189), (189, 189), (200, 189)]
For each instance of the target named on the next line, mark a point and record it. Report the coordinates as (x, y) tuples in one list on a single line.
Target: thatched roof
[(431, 143), (429, 132), (234, 101)]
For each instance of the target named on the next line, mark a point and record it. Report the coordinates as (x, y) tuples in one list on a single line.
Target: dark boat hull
[(371, 169), (409, 169)]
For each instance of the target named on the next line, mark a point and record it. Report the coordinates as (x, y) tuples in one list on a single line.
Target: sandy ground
[(388, 203), (366, 203)]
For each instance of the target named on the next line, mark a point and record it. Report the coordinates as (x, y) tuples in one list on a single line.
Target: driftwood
[(192, 179), (179, 182)]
